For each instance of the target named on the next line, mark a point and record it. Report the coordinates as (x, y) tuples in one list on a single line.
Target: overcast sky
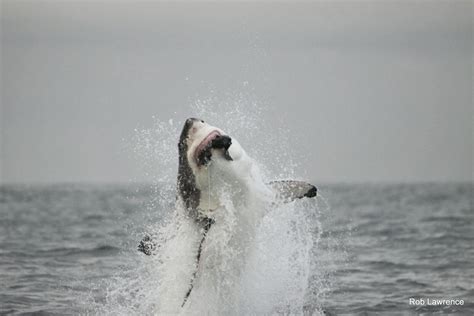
[(382, 91)]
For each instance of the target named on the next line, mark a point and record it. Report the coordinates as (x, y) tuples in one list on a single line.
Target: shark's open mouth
[(213, 140), (202, 154)]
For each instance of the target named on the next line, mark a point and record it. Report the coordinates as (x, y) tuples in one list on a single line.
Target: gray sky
[(382, 91)]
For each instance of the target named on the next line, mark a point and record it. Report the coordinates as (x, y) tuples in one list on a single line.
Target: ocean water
[(71, 249)]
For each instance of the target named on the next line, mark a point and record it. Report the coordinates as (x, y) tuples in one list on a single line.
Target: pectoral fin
[(289, 190), (147, 245)]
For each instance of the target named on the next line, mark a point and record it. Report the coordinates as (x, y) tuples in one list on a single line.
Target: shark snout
[(221, 142)]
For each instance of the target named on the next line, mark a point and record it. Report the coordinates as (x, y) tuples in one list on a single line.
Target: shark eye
[(202, 121)]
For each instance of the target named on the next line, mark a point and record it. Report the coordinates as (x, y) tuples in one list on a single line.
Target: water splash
[(270, 268)]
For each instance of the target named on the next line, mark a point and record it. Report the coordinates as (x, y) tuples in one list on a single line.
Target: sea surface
[(65, 248)]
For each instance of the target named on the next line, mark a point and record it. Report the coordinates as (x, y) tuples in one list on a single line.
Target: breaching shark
[(213, 164)]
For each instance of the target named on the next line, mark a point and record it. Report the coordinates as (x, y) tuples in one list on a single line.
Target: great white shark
[(212, 164)]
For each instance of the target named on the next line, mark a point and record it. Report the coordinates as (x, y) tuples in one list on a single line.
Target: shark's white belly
[(227, 180)]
